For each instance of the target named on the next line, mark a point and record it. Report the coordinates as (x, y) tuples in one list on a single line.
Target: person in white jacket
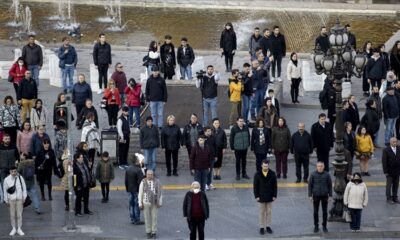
[(38, 115), (355, 198), (90, 135), (15, 200), (150, 200), (294, 71)]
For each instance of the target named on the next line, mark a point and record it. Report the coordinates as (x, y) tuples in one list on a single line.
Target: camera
[(200, 74), (103, 103)]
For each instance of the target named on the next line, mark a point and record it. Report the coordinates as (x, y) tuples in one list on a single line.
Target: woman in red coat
[(17, 71), (113, 103), (133, 92)]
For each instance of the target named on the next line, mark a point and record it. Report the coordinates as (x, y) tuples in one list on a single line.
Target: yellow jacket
[(235, 90), (364, 144)]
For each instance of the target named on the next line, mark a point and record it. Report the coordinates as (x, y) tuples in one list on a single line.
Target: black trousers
[(294, 88), (365, 84), (103, 69), (220, 155), (228, 59), (91, 155), (66, 198), (376, 82), (174, 155), (324, 203), (392, 186), (323, 157), (196, 225), (105, 189), (45, 180), (16, 86), (79, 108), (82, 194), (241, 156), (277, 63), (302, 160), (123, 151), (112, 112), (397, 126)]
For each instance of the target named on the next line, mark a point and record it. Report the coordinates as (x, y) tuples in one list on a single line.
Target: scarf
[(295, 62), (85, 174), (262, 136)]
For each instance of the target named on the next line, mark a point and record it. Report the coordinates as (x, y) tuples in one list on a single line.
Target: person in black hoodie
[(45, 163), (102, 60), (323, 40), (227, 44), (254, 42), (191, 132), (185, 57), (171, 138), (371, 119), (221, 144), (322, 137), (278, 50), (375, 69), (157, 95), (168, 58), (88, 108), (27, 93)]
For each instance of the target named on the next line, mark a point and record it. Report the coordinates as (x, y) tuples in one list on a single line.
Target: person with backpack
[(90, 135), (105, 174), (45, 163), (27, 170)]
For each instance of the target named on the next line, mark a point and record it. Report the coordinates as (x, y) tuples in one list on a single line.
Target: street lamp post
[(340, 61)]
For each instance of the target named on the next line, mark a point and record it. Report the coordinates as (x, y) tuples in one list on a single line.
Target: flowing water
[(202, 27)]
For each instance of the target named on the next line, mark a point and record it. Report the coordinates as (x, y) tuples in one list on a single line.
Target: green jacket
[(280, 139), (239, 138), (105, 171)]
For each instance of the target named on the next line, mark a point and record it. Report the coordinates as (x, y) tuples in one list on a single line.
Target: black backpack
[(29, 173), (323, 99)]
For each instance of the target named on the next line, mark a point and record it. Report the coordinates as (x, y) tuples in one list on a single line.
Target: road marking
[(224, 186)]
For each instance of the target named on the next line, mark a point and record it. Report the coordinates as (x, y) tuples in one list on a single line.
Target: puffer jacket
[(355, 195), (17, 72), (105, 171), (133, 95), (37, 119), (171, 137), (8, 115), (320, 185), (64, 179), (90, 135), (280, 139)]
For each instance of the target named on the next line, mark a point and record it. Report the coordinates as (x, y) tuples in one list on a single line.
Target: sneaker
[(237, 178), (269, 230), (13, 232), (316, 229), (245, 176), (99, 91), (139, 223), (279, 79), (325, 230), (149, 236), (88, 212), (20, 232), (272, 80), (207, 188), (262, 231), (121, 167), (176, 174), (38, 212), (168, 174), (78, 215), (212, 187), (154, 235), (298, 181), (270, 155)]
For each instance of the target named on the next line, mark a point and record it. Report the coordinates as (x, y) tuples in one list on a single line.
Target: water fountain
[(113, 16), (64, 17), (15, 10)]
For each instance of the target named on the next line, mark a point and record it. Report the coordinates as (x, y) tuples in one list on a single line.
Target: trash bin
[(109, 143)]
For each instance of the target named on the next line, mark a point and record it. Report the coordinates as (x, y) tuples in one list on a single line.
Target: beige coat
[(294, 71), (64, 179), (355, 195)]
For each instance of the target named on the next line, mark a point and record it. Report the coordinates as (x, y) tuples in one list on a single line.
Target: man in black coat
[(278, 51), (376, 69), (185, 59), (265, 189), (301, 147), (102, 60), (33, 57), (352, 38), (323, 40), (390, 109), (27, 94), (322, 138), (133, 177), (157, 95), (265, 42), (391, 169)]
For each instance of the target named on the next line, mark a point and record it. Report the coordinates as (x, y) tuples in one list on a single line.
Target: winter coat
[(270, 116), (17, 72), (37, 143), (84, 113), (235, 89), (280, 139), (24, 141), (220, 138), (90, 135), (102, 54), (149, 137), (371, 121), (346, 142), (265, 187), (133, 178), (200, 158), (112, 97), (64, 179), (187, 205), (186, 134), (354, 115), (120, 81), (301, 143), (171, 137), (390, 107), (378, 102), (228, 41), (355, 195), (278, 45), (78, 176), (322, 137), (187, 58), (239, 138), (168, 58), (23, 169), (375, 69), (81, 92), (38, 119), (32, 54), (61, 142), (254, 42), (156, 89), (320, 184), (395, 63), (69, 58), (105, 171), (364, 144), (260, 79), (391, 161), (47, 161), (8, 156), (27, 90), (294, 71), (265, 45), (323, 42), (133, 95), (256, 145), (9, 116), (20, 188)]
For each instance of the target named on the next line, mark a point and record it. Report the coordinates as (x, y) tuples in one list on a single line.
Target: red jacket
[(133, 95), (17, 72), (109, 95)]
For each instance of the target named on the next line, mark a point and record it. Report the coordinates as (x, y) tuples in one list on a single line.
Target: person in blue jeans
[(211, 143), (157, 95), (390, 108), (247, 92), (260, 83), (33, 57), (133, 177), (201, 158), (185, 57), (27, 170), (149, 142), (68, 60), (208, 84), (133, 93)]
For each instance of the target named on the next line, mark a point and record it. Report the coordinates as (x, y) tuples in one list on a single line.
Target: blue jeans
[(200, 176), (150, 158), (259, 99), (246, 100), (157, 112), (355, 218), (67, 72), (186, 72), (389, 131), (33, 194), (209, 103), (134, 211), (122, 96), (35, 73), (210, 173), (135, 110)]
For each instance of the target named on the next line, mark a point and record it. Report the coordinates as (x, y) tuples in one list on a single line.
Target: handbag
[(92, 183), (28, 200), (142, 99), (11, 190), (10, 79), (347, 215)]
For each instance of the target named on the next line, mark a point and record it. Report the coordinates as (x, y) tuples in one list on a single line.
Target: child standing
[(105, 174)]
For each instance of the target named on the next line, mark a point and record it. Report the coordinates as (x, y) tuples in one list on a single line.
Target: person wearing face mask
[(196, 211), (355, 198), (17, 72), (133, 178), (38, 115), (364, 149)]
